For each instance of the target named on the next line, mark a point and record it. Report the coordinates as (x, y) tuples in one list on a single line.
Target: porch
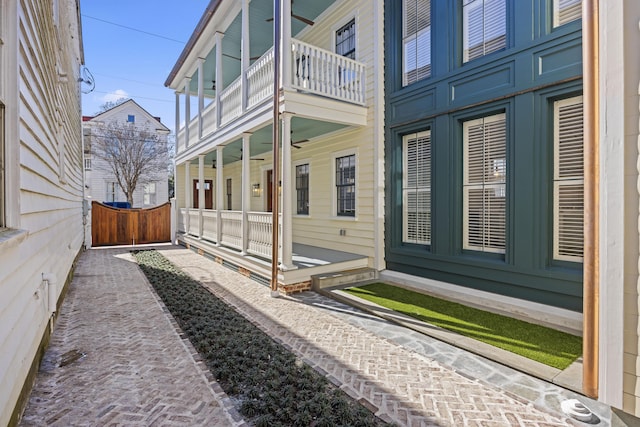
[(245, 246)]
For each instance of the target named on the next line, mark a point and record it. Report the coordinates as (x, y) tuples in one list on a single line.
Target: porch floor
[(306, 256)]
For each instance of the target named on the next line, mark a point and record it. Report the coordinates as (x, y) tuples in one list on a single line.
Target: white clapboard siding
[(46, 186)]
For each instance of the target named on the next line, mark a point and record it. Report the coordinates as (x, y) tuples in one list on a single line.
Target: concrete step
[(343, 278)]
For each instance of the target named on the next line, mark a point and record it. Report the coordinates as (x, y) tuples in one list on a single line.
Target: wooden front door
[(208, 193), (269, 190)]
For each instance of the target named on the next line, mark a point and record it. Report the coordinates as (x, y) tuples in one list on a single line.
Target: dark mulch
[(271, 385)]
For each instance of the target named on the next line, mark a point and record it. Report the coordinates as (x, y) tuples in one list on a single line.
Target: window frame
[(465, 33), (305, 190), (351, 54), (337, 185), (406, 38), (466, 186), (417, 189)]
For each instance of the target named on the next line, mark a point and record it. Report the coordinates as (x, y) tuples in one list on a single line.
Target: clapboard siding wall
[(40, 59)]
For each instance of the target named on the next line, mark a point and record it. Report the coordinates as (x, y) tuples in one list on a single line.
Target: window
[(112, 189), (416, 188), (87, 163), (346, 185), (346, 40), (229, 187), (149, 197), (565, 11), (484, 184), (484, 26), (302, 189), (568, 180), (416, 40), (131, 118)]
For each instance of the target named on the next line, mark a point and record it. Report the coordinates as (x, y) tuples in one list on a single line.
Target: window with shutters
[(565, 11), (416, 188), (302, 189), (484, 183), (416, 40), (484, 27), (568, 180)]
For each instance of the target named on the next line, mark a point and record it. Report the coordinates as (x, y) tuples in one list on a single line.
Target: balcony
[(311, 72)]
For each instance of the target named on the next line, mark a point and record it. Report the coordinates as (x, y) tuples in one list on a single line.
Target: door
[(208, 193)]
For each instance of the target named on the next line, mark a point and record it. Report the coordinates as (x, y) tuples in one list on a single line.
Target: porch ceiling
[(303, 130), (260, 35)]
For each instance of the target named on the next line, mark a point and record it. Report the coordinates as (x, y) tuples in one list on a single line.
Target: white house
[(101, 181), (331, 121), (41, 182)]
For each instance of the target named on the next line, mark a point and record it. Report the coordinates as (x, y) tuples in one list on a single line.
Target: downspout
[(591, 267), (276, 142)]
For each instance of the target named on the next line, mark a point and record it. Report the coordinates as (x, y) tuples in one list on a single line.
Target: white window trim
[(334, 196), (558, 182), (293, 174), (465, 212)]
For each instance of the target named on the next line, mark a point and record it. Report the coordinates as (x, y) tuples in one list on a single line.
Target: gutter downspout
[(591, 262)]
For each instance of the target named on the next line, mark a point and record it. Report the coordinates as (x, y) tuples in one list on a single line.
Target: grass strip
[(270, 385), (545, 345)]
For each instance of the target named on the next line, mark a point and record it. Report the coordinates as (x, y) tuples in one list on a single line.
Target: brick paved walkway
[(138, 371)]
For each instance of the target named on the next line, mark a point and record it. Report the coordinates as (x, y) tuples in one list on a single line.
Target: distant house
[(102, 184), (41, 181)]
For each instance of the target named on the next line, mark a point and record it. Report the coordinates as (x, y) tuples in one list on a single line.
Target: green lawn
[(545, 345)]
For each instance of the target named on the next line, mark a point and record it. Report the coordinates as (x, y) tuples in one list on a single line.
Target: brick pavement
[(136, 370), (398, 384)]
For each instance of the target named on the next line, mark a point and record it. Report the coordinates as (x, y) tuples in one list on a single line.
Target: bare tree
[(108, 105), (135, 155)]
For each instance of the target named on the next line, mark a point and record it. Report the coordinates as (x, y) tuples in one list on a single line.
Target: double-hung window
[(112, 189), (416, 40), (568, 180), (484, 184), (565, 11), (149, 197), (302, 189), (484, 27), (346, 40), (346, 185), (416, 188)]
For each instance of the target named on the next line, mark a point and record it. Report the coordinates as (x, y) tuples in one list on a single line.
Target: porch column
[(219, 83), (201, 191), (286, 43), (200, 95), (219, 195), (287, 199), (246, 190), (187, 110), (187, 194), (245, 54), (177, 121)]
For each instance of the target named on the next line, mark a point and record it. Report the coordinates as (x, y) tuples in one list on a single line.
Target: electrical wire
[(133, 29)]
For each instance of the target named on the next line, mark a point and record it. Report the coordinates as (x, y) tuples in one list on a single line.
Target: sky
[(132, 53)]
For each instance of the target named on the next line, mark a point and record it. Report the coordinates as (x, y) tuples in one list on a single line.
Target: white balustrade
[(231, 101), (232, 229), (260, 79), (209, 229), (180, 141), (260, 230), (182, 214), (209, 119), (193, 222)]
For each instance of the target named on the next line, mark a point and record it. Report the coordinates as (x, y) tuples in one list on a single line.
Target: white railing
[(209, 119), (231, 101), (323, 72), (194, 224), (210, 225), (182, 214), (180, 141), (193, 131), (231, 229), (260, 230), (260, 79)]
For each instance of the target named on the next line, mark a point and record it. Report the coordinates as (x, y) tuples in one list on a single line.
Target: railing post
[(219, 193), (218, 82), (245, 58), (201, 193), (287, 202), (246, 196)]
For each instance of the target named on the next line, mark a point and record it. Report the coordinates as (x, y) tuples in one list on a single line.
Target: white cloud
[(115, 95)]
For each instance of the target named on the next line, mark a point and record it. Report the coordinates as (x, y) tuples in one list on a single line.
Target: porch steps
[(343, 278)]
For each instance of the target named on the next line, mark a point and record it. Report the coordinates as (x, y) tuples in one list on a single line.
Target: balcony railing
[(259, 231), (313, 70)]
